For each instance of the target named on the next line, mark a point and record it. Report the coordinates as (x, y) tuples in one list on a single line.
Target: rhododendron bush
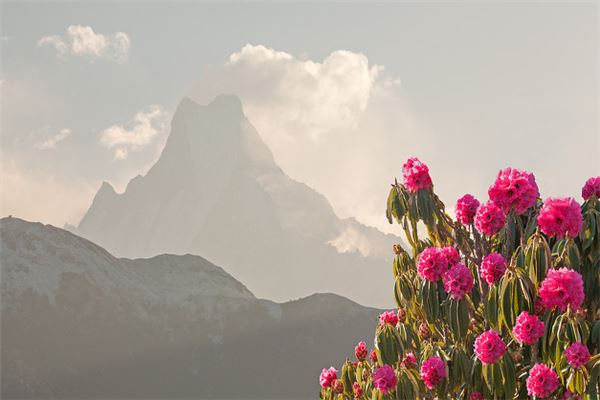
[(501, 303)]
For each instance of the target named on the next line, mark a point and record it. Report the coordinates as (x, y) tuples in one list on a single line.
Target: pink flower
[(492, 268), (451, 255), (466, 208), (560, 217), (416, 175), (384, 379), (409, 361), (337, 386), (388, 317), (458, 281), (568, 395), (373, 356), (514, 188), (489, 219), (433, 372), (476, 396), (561, 288), (591, 188), (360, 351), (528, 328), (577, 354), (489, 347), (327, 377), (432, 264), (357, 390), (542, 381)]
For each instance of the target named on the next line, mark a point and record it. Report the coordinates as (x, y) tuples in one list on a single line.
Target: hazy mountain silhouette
[(217, 192), (80, 323)]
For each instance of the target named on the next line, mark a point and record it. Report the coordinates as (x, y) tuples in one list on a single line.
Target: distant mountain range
[(216, 191), (76, 322)]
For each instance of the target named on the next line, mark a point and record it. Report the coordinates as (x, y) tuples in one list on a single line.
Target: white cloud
[(143, 130), (51, 142), (83, 41), (340, 124)]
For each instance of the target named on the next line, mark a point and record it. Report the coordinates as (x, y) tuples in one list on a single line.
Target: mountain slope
[(217, 192), (77, 322)]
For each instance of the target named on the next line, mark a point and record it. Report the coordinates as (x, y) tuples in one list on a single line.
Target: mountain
[(76, 322), (216, 191)]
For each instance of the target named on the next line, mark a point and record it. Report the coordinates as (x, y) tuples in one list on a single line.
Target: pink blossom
[(388, 317), (591, 188), (489, 347), (357, 390), (476, 396), (560, 217), (409, 361), (489, 218), (492, 268), (514, 189), (568, 395), (432, 264), (416, 175), (384, 379), (458, 281), (561, 288), (433, 372), (327, 377), (466, 208), (451, 255), (360, 351), (577, 354), (373, 356), (542, 381), (528, 328)]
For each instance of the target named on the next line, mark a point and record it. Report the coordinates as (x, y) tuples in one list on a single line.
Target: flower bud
[(398, 249), (424, 332), (337, 386), (401, 315)]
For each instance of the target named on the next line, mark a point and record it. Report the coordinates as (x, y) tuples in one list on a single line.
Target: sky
[(342, 92)]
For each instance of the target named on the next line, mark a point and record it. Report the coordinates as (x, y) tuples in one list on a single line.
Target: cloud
[(336, 124), (83, 41), (51, 142), (305, 97), (143, 130)]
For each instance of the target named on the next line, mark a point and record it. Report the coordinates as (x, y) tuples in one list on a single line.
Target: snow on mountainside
[(76, 322), (216, 191)]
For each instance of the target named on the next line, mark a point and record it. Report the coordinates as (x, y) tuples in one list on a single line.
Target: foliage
[(514, 316)]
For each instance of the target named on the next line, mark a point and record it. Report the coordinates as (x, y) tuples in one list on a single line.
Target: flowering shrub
[(500, 304)]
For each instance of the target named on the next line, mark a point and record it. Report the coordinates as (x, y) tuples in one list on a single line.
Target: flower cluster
[(327, 377), (361, 352), (385, 379), (388, 317), (432, 264), (577, 354), (458, 281), (435, 261), (560, 217), (528, 328), (466, 208), (489, 347), (591, 188), (492, 268), (562, 288), (514, 189), (416, 175), (489, 218), (433, 372), (542, 381)]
